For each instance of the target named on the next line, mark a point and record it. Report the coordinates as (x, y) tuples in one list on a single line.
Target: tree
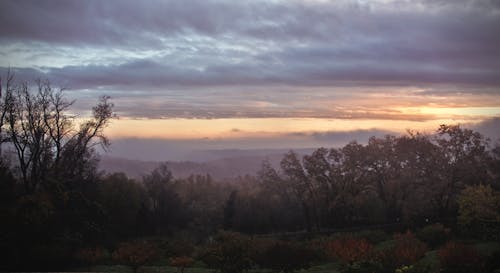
[(479, 210), (229, 210), (165, 203), (352, 170), (121, 199), (464, 162), (4, 108), (301, 185), (51, 161), (36, 123)]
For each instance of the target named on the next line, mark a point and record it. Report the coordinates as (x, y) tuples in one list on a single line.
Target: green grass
[(384, 245), (429, 262), (324, 268)]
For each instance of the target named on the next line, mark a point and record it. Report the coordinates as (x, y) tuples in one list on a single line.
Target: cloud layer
[(212, 59)]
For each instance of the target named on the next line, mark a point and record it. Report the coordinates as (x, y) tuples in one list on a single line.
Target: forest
[(409, 203)]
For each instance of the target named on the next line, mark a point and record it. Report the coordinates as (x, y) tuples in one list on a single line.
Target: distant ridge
[(220, 164)]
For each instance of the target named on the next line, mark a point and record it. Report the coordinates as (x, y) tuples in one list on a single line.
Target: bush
[(53, 256), (405, 251), (91, 255), (181, 262), (434, 235), (350, 250), (493, 262), (373, 236), (458, 257), (135, 254), (179, 248), (408, 249), (229, 252), (285, 256), (479, 211)]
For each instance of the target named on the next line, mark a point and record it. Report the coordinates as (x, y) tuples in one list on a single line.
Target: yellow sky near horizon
[(260, 127)]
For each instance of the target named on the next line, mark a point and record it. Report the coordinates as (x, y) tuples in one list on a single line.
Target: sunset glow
[(260, 127), (260, 74)]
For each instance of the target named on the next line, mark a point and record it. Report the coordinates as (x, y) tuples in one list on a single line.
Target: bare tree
[(3, 106), (36, 123)]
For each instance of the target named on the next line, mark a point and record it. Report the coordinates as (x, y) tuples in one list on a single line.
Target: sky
[(204, 74)]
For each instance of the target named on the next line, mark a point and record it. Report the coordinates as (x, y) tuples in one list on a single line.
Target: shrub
[(356, 254), (479, 211), (373, 236), (181, 262), (405, 251), (285, 257), (229, 252), (458, 257), (404, 269), (493, 262), (408, 249), (91, 255), (52, 256), (179, 248), (434, 235), (350, 250), (135, 254)]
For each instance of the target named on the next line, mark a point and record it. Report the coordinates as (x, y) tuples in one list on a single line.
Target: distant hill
[(221, 164)]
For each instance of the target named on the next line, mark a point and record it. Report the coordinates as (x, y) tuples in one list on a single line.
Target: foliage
[(406, 250), (404, 269), (434, 235), (350, 250), (372, 236), (229, 252), (46, 257), (493, 262), (135, 253), (121, 199), (164, 203), (181, 262), (91, 255), (479, 210), (459, 257), (283, 256), (54, 200), (179, 246)]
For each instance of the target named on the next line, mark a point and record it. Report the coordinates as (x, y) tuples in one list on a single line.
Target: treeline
[(412, 179), (54, 202)]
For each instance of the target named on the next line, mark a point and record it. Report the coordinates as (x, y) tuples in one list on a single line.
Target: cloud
[(155, 101), (489, 128), (176, 149), (192, 149), (207, 58), (345, 137)]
